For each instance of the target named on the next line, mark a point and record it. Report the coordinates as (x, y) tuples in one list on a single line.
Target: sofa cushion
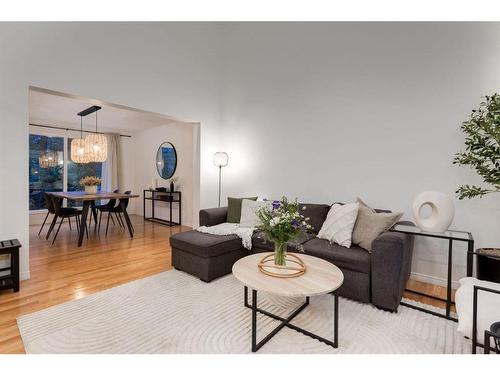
[(259, 242), (370, 224), (204, 244), (354, 258), (316, 214), (339, 224), (250, 212), (234, 208)]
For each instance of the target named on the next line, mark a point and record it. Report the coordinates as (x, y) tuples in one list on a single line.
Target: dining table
[(88, 204)]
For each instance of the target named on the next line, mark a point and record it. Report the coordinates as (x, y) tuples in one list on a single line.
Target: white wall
[(323, 112), (328, 112), (165, 68), (145, 147)]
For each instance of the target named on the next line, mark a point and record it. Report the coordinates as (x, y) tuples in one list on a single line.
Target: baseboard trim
[(24, 275), (432, 280)]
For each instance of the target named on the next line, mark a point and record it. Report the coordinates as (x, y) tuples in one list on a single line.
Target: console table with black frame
[(451, 236), (169, 197)]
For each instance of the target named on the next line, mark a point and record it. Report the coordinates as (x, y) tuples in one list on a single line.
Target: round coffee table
[(321, 277)]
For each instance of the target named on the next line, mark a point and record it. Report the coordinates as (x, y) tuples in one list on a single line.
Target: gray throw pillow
[(234, 209), (371, 224)]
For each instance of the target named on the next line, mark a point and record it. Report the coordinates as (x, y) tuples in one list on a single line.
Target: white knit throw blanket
[(226, 229)]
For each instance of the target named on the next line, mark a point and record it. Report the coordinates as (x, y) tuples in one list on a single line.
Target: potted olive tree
[(482, 153)]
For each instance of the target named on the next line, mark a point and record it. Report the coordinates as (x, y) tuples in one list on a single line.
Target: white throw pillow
[(488, 306), (339, 224), (249, 209)]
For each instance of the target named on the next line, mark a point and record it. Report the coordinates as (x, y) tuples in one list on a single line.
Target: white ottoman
[(488, 307)]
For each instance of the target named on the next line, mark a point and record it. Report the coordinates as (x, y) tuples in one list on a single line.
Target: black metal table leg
[(94, 213), (171, 197), (336, 321), (448, 283), (180, 209), (285, 322), (254, 321), (153, 206), (83, 225), (127, 218)]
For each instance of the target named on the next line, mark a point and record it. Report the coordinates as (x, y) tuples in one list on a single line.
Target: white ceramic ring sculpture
[(442, 213)]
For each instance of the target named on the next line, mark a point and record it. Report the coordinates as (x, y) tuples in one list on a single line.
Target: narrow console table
[(451, 236), (10, 281), (169, 197)]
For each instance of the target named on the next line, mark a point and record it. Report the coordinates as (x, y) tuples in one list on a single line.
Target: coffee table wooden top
[(321, 277)]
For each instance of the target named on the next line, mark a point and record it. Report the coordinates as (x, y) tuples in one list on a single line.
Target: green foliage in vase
[(482, 147), (281, 221)]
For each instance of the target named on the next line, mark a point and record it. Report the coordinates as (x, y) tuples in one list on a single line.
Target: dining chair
[(64, 213), (117, 210), (49, 207), (111, 203), (50, 202)]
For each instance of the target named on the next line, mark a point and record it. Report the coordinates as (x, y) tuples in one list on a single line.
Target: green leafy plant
[(482, 147)]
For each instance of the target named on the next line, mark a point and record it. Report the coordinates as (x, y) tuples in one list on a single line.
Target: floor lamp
[(220, 160)]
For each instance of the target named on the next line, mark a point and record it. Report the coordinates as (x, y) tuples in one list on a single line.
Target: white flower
[(304, 207), (274, 221)]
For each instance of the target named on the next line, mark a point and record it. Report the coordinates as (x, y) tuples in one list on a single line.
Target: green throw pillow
[(234, 209)]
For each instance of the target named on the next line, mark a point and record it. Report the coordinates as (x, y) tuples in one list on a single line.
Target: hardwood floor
[(63, 272)]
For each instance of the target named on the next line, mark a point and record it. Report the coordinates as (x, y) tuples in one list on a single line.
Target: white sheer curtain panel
[(111, 167)]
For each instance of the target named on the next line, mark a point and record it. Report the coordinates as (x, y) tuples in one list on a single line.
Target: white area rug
[(173, 312)]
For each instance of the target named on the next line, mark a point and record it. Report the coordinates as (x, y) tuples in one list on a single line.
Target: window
[(64, 175), (44, 177)]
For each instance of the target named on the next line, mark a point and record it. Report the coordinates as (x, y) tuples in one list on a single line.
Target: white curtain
[(111, 167)]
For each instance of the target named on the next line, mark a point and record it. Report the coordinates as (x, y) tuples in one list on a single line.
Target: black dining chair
[(117, 210), (111, 204), (50, 210), (49, 204), (64, 213)]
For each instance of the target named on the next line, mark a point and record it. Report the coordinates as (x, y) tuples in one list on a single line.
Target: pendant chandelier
[(96, 145), (78, 154), (48, 159)]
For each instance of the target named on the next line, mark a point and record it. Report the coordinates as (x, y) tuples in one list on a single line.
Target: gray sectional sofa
[(378, 277)]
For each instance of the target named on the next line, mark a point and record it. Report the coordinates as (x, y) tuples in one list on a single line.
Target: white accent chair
[(478, 307)]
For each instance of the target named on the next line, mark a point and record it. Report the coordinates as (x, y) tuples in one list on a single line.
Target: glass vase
[(280, 253)]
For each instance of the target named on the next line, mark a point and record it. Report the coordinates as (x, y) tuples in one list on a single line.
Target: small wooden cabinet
[(11, 280)]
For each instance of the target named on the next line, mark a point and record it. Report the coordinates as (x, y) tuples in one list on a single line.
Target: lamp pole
[(220, 179), (220, 160)]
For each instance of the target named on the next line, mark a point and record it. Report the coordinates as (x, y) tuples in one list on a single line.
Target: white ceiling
[(60, 110)]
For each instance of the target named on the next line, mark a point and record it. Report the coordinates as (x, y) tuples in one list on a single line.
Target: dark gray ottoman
[(204, 255)]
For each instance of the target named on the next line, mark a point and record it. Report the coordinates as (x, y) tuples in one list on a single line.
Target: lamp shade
[(96, 148), (78, 154), (48, 159), (221, 159)]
